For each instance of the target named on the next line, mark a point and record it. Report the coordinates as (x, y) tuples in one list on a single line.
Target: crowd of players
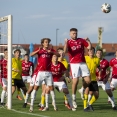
[(52, 71)]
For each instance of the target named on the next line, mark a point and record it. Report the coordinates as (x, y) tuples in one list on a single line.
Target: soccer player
[(75, 47), (102, 76), (113, 65), (17, 72), (65, 63), (58, 69), (30, 89), (3, 75), (44, 73), (92, 63), (62, 59), (27, 66)]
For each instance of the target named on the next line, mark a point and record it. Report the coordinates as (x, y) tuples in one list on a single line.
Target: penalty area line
[(27, 113)]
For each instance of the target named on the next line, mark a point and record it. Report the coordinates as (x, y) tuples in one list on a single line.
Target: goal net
[(6, 42)]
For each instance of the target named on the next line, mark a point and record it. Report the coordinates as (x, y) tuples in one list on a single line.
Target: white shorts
[(33, 79), (60, 85), (104, 86), (79, 69), (4, 82), (44, 76), (26, 79), (113, 83)]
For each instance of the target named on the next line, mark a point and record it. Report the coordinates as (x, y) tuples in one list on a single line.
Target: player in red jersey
[(75, 47), (27, 67), (44, 73), (113, 65), (102, 74), (3, 75), (58, 70)]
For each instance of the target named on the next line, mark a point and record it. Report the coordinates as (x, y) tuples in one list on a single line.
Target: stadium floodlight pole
[(56, 37)]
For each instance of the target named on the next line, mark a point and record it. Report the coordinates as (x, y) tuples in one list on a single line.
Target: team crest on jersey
[(73, 48), (58, 69), (55, 70)]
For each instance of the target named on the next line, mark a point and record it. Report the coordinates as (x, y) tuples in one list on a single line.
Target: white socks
[(53, 98), (74, 97), (112, 101), (3, 94), (33, 95), (89, 98), (27, 97), (47, 100)]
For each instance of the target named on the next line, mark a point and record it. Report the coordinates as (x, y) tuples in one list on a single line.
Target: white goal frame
[(9, 18)]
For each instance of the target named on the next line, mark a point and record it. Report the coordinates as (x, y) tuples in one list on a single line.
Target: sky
[(37, 19)]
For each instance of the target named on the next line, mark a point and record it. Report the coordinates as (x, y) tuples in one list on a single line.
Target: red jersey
[(26, 67), (76, 50), (44, 59), (104, 64), (3, 68), (113, 64), (57, 71)]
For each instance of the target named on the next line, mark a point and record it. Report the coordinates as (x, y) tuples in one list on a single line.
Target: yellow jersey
[(64, 62), (92, 64), (17, 65)]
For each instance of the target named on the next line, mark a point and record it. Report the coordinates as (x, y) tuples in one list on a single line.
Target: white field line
[(26, 113)]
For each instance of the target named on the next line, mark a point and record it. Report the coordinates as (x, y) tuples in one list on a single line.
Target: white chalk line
[(26, 113)]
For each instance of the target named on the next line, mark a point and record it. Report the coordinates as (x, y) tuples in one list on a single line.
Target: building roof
[(109, 47)]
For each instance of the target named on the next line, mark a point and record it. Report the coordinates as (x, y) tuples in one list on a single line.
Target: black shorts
[(18, 83), (93, 86)]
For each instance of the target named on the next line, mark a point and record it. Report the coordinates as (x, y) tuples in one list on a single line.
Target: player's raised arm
[(65, 46), (89, 43), (35, 52)]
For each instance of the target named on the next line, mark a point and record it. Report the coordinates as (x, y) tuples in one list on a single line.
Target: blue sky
[(35, 19)]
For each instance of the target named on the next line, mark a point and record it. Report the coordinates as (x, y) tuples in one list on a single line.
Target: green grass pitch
[(102, 108)]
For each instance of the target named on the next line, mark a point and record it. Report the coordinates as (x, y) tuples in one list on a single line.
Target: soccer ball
[(106, 8)]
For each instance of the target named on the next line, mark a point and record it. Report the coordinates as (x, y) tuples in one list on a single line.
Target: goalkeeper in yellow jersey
[(17, 72)]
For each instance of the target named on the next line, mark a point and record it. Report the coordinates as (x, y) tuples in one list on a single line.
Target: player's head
[(17, 53), (73, 33), (55, 57), (91, 51), (99, 53), (61, 52), (116, 54), (45, 42), (6, 53), (26, 57)]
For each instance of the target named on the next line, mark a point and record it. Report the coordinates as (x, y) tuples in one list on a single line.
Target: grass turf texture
[(102, 108)]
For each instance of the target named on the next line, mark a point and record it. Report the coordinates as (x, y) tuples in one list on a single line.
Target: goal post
[(9, 19)]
